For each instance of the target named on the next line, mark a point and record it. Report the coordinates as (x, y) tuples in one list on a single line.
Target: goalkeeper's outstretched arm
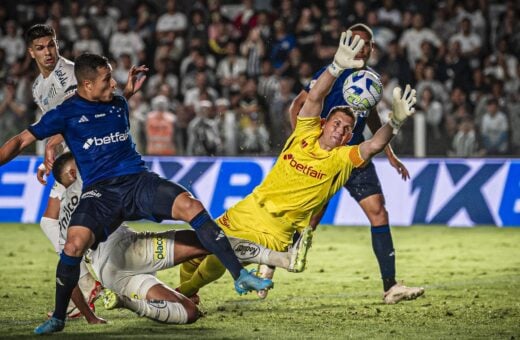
[(402, 108)]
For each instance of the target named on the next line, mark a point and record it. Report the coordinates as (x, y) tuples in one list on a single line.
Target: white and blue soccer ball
[(362, 90)]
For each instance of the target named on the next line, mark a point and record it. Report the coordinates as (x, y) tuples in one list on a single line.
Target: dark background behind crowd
[(223, 73)]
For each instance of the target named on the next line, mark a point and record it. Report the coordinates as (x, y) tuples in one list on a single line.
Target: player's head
[(366, 34), (43, 47), (65, 170), (337, 127), (94, 75)]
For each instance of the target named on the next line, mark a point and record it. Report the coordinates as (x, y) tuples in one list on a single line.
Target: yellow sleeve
[(352, 155)]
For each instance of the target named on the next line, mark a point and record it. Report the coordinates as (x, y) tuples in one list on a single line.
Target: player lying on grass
[(127, 261), (117, 186), (313, 165)]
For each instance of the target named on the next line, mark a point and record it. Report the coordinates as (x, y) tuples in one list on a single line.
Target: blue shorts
[(104, 205), (363, 182)]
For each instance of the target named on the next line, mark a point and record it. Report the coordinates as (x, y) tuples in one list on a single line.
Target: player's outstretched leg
[(299, 251), (398, 292), (248, 281)]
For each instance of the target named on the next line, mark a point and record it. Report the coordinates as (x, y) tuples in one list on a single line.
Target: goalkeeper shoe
[(399, 292), (52, 325), (247, 282), (265, 272), (111, 300), (299, 251)]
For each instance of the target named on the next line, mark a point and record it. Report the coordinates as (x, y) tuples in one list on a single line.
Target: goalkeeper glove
[(347, 50), (402, 107)]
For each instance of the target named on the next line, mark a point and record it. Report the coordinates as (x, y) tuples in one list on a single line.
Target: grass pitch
[(471, 276)]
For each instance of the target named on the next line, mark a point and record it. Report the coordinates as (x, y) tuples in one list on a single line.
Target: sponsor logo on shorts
[(160, 304), (246, 250), (159, 250), (66, 212), (303, 168), (91, 193)]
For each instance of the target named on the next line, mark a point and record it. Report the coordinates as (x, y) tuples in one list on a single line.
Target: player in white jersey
[(127, 261)]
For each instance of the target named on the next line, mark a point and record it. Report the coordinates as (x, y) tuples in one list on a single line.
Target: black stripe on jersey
[(71, 87), (334, 180), (288, 144)]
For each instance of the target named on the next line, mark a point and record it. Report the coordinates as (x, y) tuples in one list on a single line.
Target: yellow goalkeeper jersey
[(300, 183)]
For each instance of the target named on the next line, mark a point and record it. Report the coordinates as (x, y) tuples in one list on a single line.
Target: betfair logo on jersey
[(158, 248), (303, 168), (109, 139)]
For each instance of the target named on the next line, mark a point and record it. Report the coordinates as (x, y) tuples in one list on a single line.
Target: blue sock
[(67, 276), (384, 250), (215, 241)]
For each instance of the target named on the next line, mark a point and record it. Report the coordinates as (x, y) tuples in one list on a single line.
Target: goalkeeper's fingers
[(397, 93)]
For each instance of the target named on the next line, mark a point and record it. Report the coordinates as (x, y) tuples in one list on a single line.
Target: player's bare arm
[(402, 108), (296, 106), (374, 123), (344, 58), (14, 146)]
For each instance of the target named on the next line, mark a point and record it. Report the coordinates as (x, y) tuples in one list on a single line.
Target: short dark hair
[(86, 65), (59, 164), (344, 109), (39, 31)]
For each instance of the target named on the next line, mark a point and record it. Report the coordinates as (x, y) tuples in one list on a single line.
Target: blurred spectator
[(12, 42), (72, 22), (268, 82), (306, 32), (357, 14), (170, 30), (204, 132), (264, 26), (328, 37), (468, 9), (199, 92), (229, 69), (229, 126), (280, 126), (245, 19), (494, 129), (197, 28), (104, 19), (13, 113), (86, 43), (219, 33), (163, 75), (455, 68), (412, 38), (144, 23), (303, 77), (396, 66), (429, 81), (4, 66), (125, 41), (382, 35), (389, 15), (284, 42), (138, 109), (160, 128), (253, 49), (287, 14), (120, 72), (253, 135), (444, 24), (465, 142), (433, 112), (199, 64), (470, 42)]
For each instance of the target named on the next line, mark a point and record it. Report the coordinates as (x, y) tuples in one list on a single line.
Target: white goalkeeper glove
[(402, 107), (347, 50)]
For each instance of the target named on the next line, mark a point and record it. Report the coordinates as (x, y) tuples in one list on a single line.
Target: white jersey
[(59, 85)]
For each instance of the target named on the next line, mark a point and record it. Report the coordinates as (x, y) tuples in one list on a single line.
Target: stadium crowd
[(223, 73)]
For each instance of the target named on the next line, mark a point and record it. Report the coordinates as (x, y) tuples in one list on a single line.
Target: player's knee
[(73, 249), (186, 207)]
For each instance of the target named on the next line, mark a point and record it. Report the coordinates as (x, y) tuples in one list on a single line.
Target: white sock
[(158, 310)]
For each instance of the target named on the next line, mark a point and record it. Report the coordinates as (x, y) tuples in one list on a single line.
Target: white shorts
[(127, 261)]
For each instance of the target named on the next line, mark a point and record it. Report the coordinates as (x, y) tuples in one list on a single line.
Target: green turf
[(471, 275)]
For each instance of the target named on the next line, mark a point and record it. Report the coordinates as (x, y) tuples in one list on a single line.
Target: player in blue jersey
[(363, 184), (116, 184)]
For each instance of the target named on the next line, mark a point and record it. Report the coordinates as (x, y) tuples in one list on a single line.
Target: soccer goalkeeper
[(313, 165)]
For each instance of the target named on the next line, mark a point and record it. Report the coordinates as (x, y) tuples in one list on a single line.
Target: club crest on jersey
[(304, 144), (303, 168)]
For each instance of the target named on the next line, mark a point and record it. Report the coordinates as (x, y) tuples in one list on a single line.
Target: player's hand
[(345, 55), (399, 166), (402, 106), (95, 320), (136, 78), (40, 174)]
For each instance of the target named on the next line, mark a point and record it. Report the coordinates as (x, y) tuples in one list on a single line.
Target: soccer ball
[(362, 90)]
